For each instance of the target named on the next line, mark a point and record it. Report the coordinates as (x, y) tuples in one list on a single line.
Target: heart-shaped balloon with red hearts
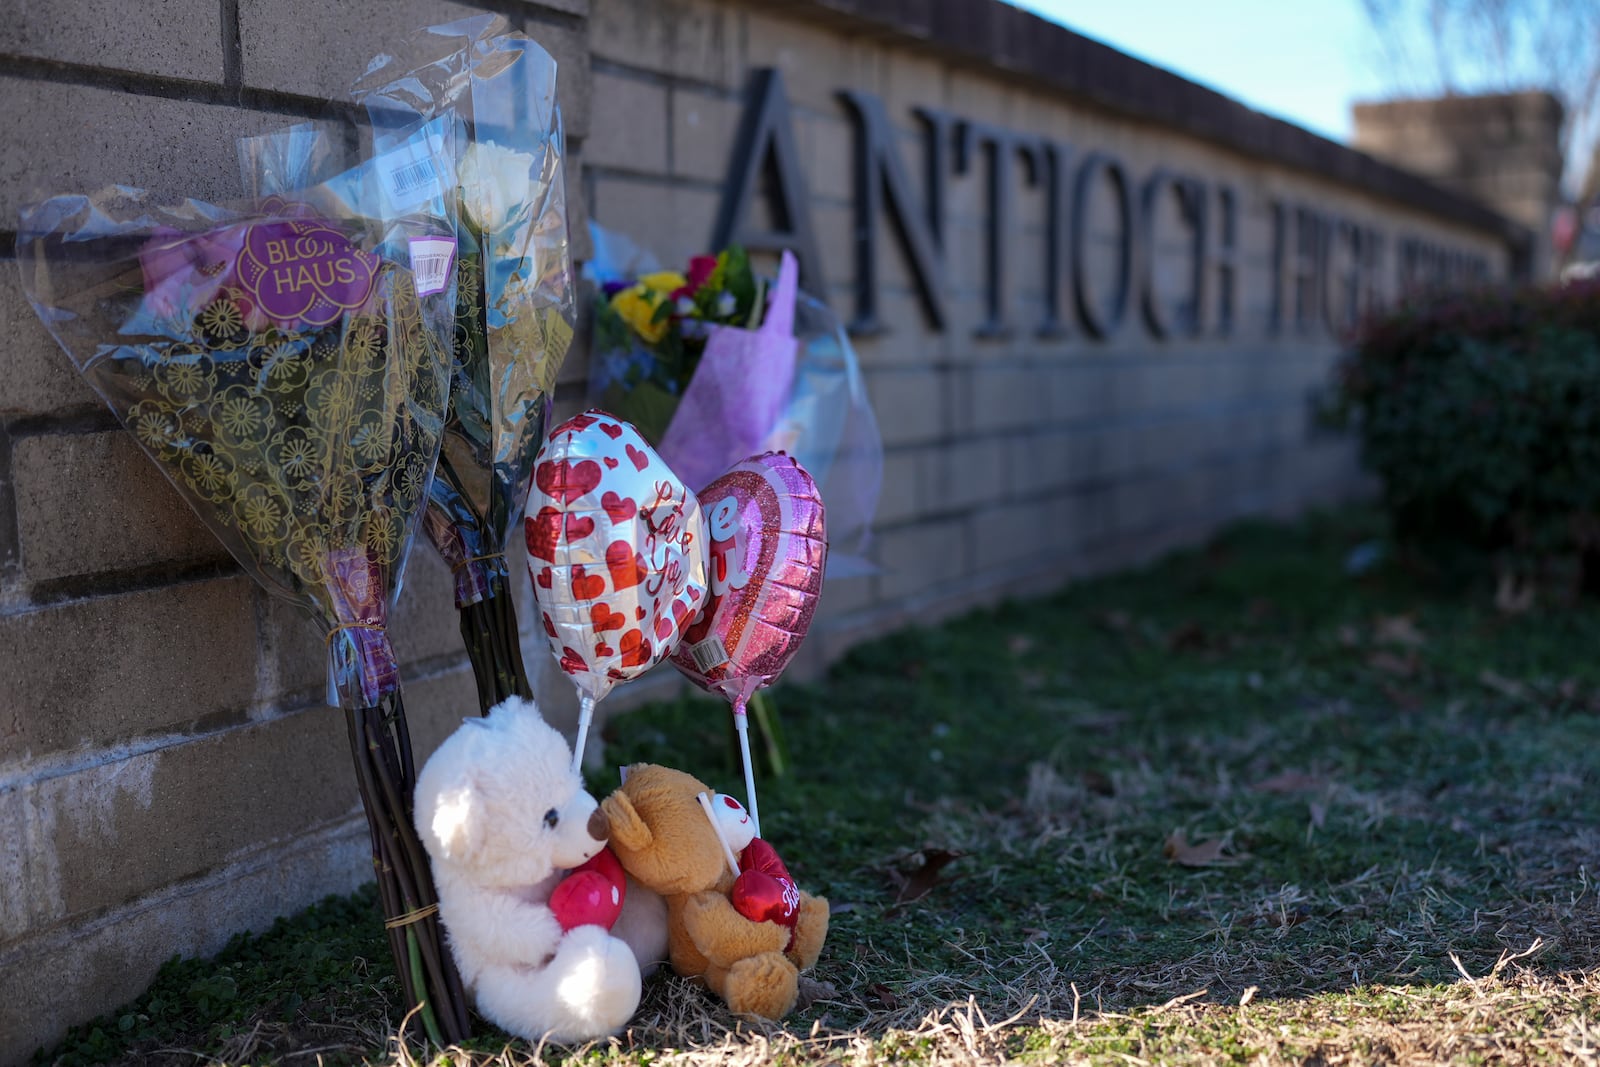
[(616, 551)]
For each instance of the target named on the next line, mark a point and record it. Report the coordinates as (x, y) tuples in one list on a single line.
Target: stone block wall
[(168, 772)]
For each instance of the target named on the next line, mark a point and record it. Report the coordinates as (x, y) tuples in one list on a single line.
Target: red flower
[(700, 268)]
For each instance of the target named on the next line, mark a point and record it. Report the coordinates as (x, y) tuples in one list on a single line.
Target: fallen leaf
[(810, 991), (1207, 853), (920, 881), (1513, 596), (1248, 995), (1389, 663), (1398, 630), (1290, 782), (1506, 687), (883, 995), (1099, 783)]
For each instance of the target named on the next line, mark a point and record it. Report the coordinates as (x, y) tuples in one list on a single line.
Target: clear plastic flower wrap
[(709, 393), (284, 361), (515, 307)]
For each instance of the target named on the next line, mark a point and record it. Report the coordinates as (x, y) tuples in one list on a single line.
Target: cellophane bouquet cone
[(515, 306), (284, 362)]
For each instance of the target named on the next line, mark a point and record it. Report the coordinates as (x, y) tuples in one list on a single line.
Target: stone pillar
[(1503, 149)]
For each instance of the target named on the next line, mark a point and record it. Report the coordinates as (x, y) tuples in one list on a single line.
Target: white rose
[(495, 185)]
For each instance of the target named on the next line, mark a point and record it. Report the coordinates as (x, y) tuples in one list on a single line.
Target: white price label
[(431, 258), (708, 654)]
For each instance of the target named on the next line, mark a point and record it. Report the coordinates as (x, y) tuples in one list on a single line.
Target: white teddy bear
[(504, 816)]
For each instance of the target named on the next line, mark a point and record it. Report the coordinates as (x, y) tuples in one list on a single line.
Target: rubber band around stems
[(460, 564), (410, 917), (335, 631)]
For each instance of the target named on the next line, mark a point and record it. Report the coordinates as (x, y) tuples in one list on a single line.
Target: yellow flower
[(637, 306), (665, 282)]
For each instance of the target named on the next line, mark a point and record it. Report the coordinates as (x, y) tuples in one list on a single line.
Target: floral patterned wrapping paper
[(281, 367)]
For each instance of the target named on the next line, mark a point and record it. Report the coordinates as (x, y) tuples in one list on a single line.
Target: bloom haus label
[(305, 271)]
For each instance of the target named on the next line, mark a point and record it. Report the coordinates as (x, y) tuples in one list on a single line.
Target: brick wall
[(168, 773)]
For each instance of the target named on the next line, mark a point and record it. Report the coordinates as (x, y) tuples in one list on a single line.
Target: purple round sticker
[(304, 272)]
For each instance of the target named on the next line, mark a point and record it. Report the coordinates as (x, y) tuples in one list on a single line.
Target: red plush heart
[(566, 481), (619, 509), (640, 459), (605, 619), (592, 895), (765, 892), (572, 662), (543, 578), (627, 566), (587, 586), (611, 430), (635, 649)]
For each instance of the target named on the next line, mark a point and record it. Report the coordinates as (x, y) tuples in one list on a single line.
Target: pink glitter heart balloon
[(766, 549)]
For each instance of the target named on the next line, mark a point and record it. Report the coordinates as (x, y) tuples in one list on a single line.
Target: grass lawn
[(1237, 807)]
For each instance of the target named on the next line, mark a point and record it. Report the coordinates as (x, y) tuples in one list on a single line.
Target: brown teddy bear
[(667, 841)]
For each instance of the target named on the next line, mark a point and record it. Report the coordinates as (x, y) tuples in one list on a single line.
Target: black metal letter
[(1095, 321), (879, 177), (1191, 206), (766, 145), (1057, 212), (1003, 146)]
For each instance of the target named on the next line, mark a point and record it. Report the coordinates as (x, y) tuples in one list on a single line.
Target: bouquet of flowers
[(285, 365), (716, 364), (514, 301)]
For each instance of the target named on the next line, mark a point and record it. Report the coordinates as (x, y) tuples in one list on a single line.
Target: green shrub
[(1480, 413)]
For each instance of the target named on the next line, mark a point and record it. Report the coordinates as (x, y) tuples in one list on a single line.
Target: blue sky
[(1302, 60)]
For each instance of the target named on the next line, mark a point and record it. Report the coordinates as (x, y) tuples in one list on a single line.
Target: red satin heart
[(626, 566), (592, 895), (587, 586), (620, 510), (765, 892), (567, 481)]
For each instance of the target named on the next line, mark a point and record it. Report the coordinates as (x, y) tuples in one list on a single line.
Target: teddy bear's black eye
[(552, 817)]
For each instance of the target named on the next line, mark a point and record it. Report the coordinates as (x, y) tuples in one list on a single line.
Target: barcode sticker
[(708, 654), (431, 258), (409, 175)]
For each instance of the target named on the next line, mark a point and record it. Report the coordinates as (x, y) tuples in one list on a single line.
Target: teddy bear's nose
[(599, 826)]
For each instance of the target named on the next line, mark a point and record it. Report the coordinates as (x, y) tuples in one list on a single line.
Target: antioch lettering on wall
[(1325, 270)]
